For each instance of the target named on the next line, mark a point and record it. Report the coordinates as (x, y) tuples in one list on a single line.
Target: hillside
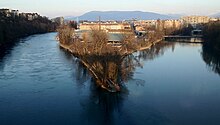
[(121, 15), (216, 15)]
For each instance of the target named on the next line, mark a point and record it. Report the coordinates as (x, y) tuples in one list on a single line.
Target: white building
[(15, 13), (58, 20)]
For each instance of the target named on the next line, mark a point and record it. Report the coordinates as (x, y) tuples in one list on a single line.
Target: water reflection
[(110, 72), (119, 70), (156, 51), (100, 106), (3, 52), (211, 58), (103, 107), (41, 84)]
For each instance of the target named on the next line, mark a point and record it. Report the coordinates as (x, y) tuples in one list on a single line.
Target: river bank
[(97, 64), (12, 28), (148, 46)]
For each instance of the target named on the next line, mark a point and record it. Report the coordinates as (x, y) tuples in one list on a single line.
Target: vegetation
[(211, 47), (211, 58), (211, 33), (105, 61), (14, 27), (94, 42), (183, 31), (72, 24), (65, 35), (111, 71), (155, 35)]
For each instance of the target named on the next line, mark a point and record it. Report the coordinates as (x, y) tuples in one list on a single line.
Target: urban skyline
[(53, 8)]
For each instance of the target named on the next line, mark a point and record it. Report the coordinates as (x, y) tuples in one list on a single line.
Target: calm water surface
[(41, 84)]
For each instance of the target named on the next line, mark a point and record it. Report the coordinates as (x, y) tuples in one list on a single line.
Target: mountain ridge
[(122, 15), (216, 15)]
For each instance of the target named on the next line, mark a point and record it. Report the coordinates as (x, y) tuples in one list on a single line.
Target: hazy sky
[(53, 8)]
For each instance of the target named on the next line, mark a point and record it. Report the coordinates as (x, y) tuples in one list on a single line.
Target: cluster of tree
[(65, 34), (161, 28), (211, 47), (101, 59), (183, 31), (109, 65), (72, 24), (155, 35), (95, 42), (12, 28), (211, 34), (111, 71)]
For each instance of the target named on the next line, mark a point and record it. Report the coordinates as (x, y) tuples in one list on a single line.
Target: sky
[(53, 8)]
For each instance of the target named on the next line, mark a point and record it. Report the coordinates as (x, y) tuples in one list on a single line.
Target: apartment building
[(104, 26), (195, 19)]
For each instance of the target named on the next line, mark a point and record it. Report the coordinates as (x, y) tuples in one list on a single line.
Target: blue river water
[(41, 84)]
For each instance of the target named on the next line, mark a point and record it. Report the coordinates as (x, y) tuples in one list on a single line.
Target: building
[(7, 12), (35, 15), (110, 26), (214, 19), (176, 24), (31, 16), (193, 20), (143, 25), (14, 13), (58, 20), (115, 30)]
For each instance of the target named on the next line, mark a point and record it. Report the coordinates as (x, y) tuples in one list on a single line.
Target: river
[(41, 84)]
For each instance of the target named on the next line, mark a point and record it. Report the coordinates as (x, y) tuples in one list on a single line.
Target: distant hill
[(122, 15), (216, 15), (176, 16)]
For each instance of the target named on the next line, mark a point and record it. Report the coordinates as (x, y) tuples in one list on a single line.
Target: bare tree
[(99, 39), (128, 42), (65, 34)]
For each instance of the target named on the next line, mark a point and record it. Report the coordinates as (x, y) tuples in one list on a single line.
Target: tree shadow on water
[(211, 58), (103, 107)]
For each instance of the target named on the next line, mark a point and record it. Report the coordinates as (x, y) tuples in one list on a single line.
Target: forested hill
[(17, 26)]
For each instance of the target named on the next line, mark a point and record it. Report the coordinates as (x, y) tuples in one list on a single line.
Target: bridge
[(196, 37), (189, 39)]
